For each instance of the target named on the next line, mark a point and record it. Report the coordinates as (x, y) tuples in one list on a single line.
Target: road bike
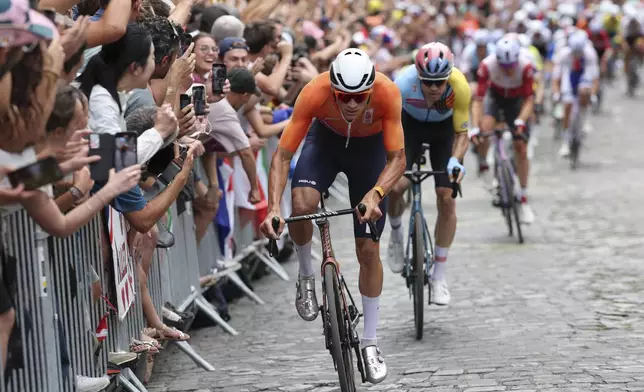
[(419, 251), (504, 174), (575, 139), (340, 316)]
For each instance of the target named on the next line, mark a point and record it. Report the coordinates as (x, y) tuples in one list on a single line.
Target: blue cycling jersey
[(413, 100)]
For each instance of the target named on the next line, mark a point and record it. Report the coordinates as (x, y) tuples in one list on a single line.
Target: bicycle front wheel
[(418, 273), (340, 341), (513, 204)]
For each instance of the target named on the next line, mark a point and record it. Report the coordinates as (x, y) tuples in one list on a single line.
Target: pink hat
[(20, 25), (311, 29)]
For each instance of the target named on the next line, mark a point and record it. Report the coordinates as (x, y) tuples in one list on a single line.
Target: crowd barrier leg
[(129, 375), (124, 383), (200, 302), (211, 312), (234, 277), (181, 274), (262, 253), (196, 358)]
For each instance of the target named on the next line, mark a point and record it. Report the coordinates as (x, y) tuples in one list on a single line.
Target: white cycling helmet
[(352, 71), (614, 10), (577, 41), (567, 9), (481, 37), (595, 26), (605, 6), (496, 35), (524, 40), (530, 9), (519, 16), (566, 22), (507, 51)]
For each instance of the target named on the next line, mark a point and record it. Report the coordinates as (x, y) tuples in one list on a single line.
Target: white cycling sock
[(304, 257), (396, 227), (370, 310), (440, 259)]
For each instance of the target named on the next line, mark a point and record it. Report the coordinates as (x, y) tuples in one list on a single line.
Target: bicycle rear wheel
[(340, 341), (418, 273)]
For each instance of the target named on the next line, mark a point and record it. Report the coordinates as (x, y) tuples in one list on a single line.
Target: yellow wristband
[(380, 191)]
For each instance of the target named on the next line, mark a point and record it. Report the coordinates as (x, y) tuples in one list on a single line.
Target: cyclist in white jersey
[(575, 76)]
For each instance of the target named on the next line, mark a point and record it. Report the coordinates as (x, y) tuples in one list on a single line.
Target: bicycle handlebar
[(500, 131), (423, 174), (272, 244)]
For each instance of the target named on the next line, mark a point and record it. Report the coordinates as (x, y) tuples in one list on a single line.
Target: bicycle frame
[(349, 309)]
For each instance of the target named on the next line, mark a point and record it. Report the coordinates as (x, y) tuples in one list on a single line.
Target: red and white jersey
[(517, 85)]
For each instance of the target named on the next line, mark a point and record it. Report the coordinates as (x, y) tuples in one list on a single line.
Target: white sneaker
[(170, 315), (91, 384), (395, 255), (439, 292), (525, 213), (564, 151)]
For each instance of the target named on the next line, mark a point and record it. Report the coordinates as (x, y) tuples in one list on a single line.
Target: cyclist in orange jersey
[(349, 119)]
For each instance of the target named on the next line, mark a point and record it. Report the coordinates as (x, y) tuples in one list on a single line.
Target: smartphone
[(169, 173), (199, 99), (184, 100), (37, 174), (101, 144), (218, 78), (124, 150), (183, 151)]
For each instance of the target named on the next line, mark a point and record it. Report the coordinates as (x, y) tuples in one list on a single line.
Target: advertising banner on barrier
[(123, 263)]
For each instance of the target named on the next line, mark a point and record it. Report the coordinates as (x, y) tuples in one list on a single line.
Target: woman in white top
[(119, 68)]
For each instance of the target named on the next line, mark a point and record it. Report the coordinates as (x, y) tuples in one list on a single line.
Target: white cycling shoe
[(526, 216), (395, 255), (439, 293), (564, 151), (375, 366)]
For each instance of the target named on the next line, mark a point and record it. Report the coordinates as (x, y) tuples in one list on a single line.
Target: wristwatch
[(77, 194)]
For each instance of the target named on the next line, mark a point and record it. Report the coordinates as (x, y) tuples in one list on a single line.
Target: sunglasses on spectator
[(347, 97), (430, 82), (205, 49)]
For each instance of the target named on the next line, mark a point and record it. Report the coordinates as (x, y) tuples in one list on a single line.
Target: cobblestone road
[(563, 312)]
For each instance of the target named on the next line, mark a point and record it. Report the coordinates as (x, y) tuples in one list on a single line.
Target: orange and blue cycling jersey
[(317, 101)]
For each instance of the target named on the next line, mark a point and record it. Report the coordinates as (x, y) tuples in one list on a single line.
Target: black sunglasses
[(437, 83)]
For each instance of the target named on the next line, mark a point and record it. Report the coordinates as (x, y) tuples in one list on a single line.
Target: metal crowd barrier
[(36, 360), (56, 312)]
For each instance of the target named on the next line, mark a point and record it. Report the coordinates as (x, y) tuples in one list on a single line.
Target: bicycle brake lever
[(456, 187), (272, 248), (375, 236)]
